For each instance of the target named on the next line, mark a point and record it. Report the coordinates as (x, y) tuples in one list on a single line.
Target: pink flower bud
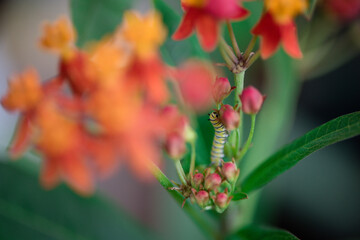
[(212, 181), (222, 200), (229, 117), (230, 171), (251, 100), (198, 179), (175, 145), (202, 198), (221, 89)]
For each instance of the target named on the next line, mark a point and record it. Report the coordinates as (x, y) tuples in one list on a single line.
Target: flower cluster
[(106, 104), (214, 189)]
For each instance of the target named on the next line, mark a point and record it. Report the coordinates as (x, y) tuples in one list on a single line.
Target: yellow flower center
[(24, 91), (194, 3), (109, 62), (284, 11), (59, 37), (144, 33)]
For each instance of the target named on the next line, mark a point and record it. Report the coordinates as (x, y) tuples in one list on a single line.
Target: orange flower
[(61, 141), (59, 37), (148, 75), (79, 72), (24, 92), (109, 62), (144, 33), (284, 11), (114, 109)]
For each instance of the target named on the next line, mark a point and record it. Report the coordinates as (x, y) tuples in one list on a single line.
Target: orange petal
[(270, 33), (187, 25), (208, 32), (21, 138), (290, 40), (103, 152)]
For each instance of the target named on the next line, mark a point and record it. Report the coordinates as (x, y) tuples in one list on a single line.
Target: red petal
[(49, 177), (76, 173), (270, 33), (21, 137), (289, 40), (187, 25), (207, 31), (103, 153)]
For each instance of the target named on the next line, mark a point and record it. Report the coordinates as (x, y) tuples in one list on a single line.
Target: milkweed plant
[(139, 95)]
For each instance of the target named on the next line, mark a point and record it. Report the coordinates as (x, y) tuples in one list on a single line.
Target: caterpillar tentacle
[(221, 135)]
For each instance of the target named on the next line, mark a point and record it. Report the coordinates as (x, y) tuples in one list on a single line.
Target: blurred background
[(317, 199)]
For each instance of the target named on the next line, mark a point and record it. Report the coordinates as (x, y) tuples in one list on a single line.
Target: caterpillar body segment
[(220, 137)]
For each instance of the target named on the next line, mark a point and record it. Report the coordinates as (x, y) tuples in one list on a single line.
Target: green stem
[(180, 172), (194, 215), (228, 50), (227, 59), (250, 47), (239, 83), (233, 39), (249, 140), (192, 161)]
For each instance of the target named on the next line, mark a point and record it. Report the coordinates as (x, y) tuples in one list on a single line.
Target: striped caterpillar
[(220, 137)]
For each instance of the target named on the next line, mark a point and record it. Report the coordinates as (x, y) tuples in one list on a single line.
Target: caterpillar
[(220, 137)]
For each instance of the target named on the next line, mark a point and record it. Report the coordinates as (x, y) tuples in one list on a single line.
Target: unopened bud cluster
[(213, 189)]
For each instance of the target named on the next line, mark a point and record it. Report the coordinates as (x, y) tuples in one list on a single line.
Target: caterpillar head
[(214, 115)]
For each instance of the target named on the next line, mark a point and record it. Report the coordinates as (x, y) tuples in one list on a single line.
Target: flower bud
[(229, 117), (189, 133), (175, 146), (222, 200), (230, 171), (198, 179), (251, 100), (212, 181), (221, 89), (202, 198)]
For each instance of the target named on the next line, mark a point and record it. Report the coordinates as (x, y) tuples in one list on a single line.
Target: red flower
[(274, 33), (345, 10), (196, 81), (205, 17)]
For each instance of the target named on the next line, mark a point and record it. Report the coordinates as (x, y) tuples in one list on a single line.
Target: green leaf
[(336, 130), (239, 196), (93, 18), (27, 211), (175, 52), (262, 233), (310, 11)]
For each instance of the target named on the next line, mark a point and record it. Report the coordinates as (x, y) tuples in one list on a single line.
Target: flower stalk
[(249, 140)]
